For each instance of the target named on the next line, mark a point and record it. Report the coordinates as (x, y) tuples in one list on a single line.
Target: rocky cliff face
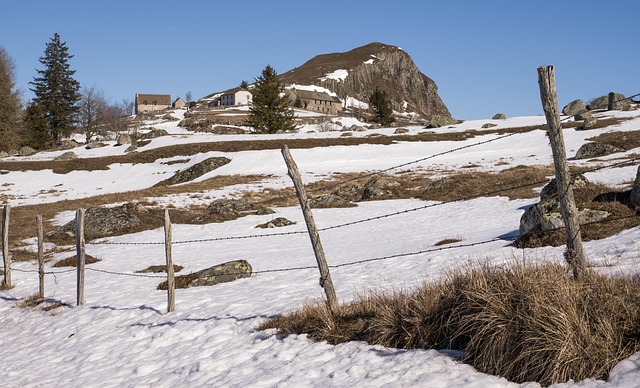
[(358, 72)]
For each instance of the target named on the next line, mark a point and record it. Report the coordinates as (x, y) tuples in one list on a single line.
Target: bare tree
[(91, 113), (188, 96)]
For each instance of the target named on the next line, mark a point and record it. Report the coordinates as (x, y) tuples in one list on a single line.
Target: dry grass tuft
[(447, 241), (160, 269), (72, 261), (525, 323)]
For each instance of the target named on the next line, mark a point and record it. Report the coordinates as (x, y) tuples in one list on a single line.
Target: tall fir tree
[(56, 91), (270, 111), (9, 104), (382, 112)]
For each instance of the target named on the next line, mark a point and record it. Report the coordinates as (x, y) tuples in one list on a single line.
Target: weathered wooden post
[(171, 284), (574, 254), (325, 276), (80, 250), (40, 255), (6, 282), (611, 101)]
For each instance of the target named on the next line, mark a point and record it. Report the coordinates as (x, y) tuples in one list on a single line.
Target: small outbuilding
[(152, 102)]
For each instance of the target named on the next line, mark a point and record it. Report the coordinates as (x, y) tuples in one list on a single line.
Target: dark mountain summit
[(358, 72)]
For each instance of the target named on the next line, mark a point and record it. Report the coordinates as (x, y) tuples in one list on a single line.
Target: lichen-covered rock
[(588, 121), (123, 139), (619, 102), (69, 144), (277, 222), (330, 201), (438, 121), (102, 222), (4, 154), (95, 144), (70, 155), (349, 192), (400, 131), (153, 133), (221, 273), (599, 103), (198, 170), (378, 188), (594, 150), (545, 216), (499, 116), (574, 107), (237, 207), (489, 125), (550, 190), (27, 151), (227, 130)]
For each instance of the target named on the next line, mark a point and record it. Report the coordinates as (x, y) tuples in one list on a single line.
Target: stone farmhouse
[(152, 102), (178, 103), (316, 101), (235, 96)]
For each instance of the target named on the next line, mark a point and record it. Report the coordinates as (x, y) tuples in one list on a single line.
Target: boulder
[(357, 128), (489, 125), (545, 216), (95, 144), (375, 126), (198, 170), (69, 155), (102, 222), (69, 144), (574, 107), (594, 150), (221, 273), (26, 151), (349, 192), (400, 130), (278, 222), (619, 102), (131, 148), (599, 103), (153, 133), (635, 191), (237, 207), (438, 121), (378, 188), (4, 154), (550, 190), (499, 116), (330, 201), (346, 134), (227, 130), (123, 139), (588, 121)]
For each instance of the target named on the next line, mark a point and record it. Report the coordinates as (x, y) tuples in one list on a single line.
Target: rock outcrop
[(221, 273), (386, 67), (102, 222), (198, 170)]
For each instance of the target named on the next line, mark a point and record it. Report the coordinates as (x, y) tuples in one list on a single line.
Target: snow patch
[(338, 75)]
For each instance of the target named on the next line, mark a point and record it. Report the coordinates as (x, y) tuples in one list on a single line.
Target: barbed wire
[(135, 275), (569, 117)]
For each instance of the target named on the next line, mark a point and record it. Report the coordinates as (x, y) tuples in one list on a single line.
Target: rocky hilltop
[(358, 72)]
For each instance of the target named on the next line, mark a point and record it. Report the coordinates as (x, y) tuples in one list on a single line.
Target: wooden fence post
[(40, 255), (574, 254), (171, 284), (325, 276), (80, 255), (6, 283)]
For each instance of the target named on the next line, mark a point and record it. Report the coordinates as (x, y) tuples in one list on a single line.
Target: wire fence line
[(374, 218)]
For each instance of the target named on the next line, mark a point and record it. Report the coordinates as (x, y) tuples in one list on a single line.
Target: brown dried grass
[(525, 323)]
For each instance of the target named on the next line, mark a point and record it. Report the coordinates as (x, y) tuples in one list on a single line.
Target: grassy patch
[(624, 140), (160, 269), (72, 261), (447, 241), (525, 323)]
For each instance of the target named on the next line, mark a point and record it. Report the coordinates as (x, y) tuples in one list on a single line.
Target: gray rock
[(599, 103), (27, 151), (438, 121), (154, 132), (375, 126), (70, 155), (594, 150), (69, 144), (237, 207), (550, 190), (499, 116), (588, 121), (349, 192), (123, 139), (400, 130), (131, 148), (102, 222), (619, 102), (4, 154), (435, 185), (545, 216), (378, 188), (357, 128), (198, 170), (346, 134), (227, 130), (278, 222), (330, 201), (489, 125), (221, 273), (635, 191), (95, 144), (574, 107)]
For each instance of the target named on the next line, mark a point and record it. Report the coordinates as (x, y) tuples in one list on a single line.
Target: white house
[(236, 96)]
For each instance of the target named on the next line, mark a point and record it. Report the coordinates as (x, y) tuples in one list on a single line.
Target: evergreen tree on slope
[(56, 91), (270, 111), (382, 107), (9, 104)]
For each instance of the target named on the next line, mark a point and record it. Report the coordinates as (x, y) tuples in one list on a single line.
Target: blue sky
[(483, 55)]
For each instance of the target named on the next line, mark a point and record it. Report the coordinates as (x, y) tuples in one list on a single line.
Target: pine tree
[(36, 132), (382, 107), (57, 92), (9, 104), (270, 111)]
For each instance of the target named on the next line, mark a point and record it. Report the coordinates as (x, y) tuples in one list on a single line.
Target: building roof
[(160, 99), (311, 95), (234, 91)]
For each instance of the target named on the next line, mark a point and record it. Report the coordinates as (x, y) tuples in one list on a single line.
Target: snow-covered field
[(122, 336)]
